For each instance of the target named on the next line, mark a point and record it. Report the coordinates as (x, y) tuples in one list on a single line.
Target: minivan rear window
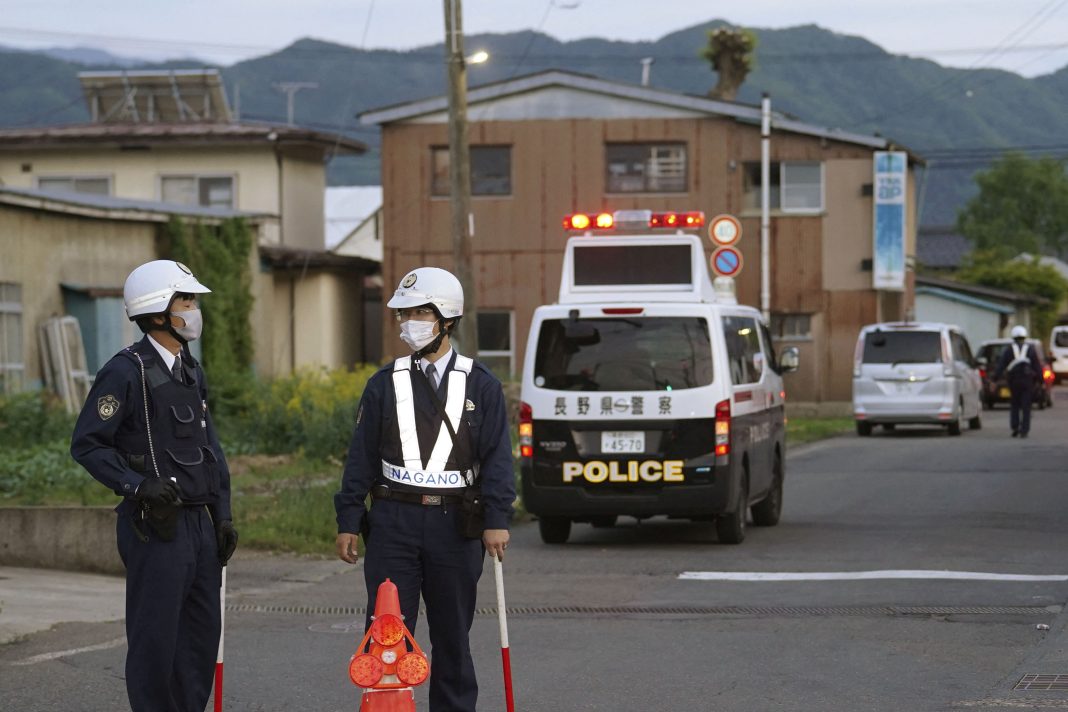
[(903, 347), (624, 354), (1060, 339)]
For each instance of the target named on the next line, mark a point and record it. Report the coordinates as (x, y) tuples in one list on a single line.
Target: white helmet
[(1019, 332), (151, 287), (430, 285)]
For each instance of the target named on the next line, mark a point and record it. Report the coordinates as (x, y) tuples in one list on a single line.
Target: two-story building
[(555, 143), (169, 138)]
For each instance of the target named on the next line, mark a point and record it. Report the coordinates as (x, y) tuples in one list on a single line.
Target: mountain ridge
[(960, 117)]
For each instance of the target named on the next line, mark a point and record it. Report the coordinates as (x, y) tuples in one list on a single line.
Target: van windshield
[(623, 354), (903, 347), (1060, 339)]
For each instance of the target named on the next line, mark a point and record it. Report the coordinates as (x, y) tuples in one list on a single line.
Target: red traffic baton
[(222, 633), (502, 620)]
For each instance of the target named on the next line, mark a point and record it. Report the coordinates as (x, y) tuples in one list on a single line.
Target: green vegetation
[(1026, 277), (806, 430), (1022, 206)]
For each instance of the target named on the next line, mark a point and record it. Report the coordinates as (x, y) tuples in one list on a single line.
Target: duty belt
[(430, 500)]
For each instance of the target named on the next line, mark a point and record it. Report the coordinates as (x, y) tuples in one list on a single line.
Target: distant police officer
[(145, 433), (442, 487), (1024, 371)]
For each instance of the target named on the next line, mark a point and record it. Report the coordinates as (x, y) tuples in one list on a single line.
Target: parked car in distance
[(995, 392), (1058, 351), (915, 373)]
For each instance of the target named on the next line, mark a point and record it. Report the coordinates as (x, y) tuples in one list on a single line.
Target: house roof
[(941, 247), (115, 208), (962, 298), (745, 113), (346, 208), (978, 291), (126, 135), (299, 259)]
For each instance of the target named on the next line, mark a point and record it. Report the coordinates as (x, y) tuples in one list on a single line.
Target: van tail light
[(1047, 374), (526, 430), (947, 358), (982, 373), (858, 354), (723, 428)]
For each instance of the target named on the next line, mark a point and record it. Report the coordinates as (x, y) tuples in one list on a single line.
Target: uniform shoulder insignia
[(107, 406)]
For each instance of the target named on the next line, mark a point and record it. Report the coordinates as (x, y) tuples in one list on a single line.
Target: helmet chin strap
[(171, 330), (434, 345)]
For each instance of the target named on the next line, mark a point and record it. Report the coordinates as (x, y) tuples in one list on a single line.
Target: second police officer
[(431, 447), (1019, 363), (146, 434)]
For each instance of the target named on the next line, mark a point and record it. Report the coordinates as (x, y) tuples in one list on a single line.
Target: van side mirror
[(789, 359), (981, 361)]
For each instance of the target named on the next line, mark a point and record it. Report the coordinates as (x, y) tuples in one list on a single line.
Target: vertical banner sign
[(888, 265)]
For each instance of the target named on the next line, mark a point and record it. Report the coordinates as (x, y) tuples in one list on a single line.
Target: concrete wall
[(66, 538), (41, 250), (327, 326), (303, 188)]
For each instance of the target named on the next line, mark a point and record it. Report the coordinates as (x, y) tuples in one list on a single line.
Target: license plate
[(1004, 393), (623, 441)]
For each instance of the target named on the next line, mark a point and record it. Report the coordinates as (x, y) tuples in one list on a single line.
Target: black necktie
[(176, 370), (432, 376)]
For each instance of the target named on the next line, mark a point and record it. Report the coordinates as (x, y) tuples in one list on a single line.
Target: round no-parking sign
[(726, 261)]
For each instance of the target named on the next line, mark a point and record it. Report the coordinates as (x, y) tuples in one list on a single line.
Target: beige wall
[(136, 174), (40, 250), (327, 326), (303, 189)]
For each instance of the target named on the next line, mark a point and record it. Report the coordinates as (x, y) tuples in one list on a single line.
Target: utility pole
[(463, 221), (765, 208), (290, 89)]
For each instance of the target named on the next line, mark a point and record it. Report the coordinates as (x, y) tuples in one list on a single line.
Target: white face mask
[(417, 334), (194, 324)]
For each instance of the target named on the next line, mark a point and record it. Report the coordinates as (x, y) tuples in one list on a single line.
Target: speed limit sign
[(724, 230)]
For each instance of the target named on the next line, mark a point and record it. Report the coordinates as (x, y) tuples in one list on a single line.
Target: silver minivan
[(915, 373)]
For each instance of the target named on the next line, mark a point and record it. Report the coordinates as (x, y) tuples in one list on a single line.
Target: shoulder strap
[(402, 388)]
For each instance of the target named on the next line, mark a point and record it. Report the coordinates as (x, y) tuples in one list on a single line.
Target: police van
[(647, 390)]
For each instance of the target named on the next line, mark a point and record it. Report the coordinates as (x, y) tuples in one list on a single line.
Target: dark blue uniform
[(1022, 380), (419, 547), (172, 586)]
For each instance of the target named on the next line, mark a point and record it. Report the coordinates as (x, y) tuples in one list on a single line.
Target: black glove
[(226, 539), (156, 492)]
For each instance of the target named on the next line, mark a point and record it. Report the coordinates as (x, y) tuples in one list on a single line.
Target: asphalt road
[(606, 623)]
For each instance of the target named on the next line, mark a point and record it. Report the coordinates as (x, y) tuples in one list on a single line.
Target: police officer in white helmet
[(431, 447), (1020, 363), (145, 433)]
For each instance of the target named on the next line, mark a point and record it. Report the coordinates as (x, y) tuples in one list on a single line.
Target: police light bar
[(634, 219)]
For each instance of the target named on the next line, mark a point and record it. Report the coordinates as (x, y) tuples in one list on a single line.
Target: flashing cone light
[(383, 665)]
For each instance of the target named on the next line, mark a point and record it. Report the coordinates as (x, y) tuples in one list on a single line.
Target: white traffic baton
[(222, 634), (498, 572)]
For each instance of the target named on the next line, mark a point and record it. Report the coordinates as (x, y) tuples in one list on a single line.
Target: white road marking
[(909, 574), (45, 657)]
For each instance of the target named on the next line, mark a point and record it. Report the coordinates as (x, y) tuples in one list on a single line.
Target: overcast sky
[(1029, 37)]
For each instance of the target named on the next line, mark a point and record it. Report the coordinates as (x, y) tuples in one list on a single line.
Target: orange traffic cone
[(387, 670)]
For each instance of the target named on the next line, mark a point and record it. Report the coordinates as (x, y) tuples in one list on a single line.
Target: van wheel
[(606, 522), (730, 528), (767, 511), (863, 429), (955, 426), (554, 530), (975, 423)]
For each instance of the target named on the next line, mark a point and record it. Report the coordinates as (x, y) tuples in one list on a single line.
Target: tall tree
[(730, 51), (1022, 206)]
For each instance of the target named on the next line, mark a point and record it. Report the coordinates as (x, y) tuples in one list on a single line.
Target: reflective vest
[(445, 470)]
